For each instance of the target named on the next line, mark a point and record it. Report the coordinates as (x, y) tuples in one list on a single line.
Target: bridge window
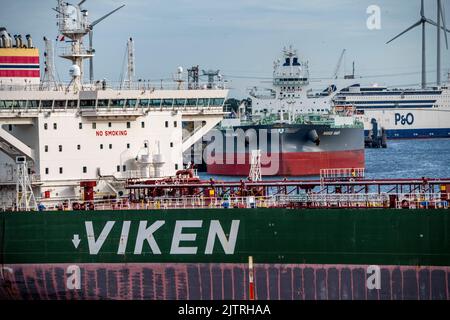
[(118, 168), (94, 125), (78, 147), (110, 146), (55, 126), (60, 170), (128, 146), (33, 104), (203, 102), (117, 103), (155, 103), (171, 144), (87, 103), (191, 102), (167, 102), (60, 148), (179, 102), (6, 104), (128, 125), (84, 169), (80, 125), (45, 126), (109, 124), (72, 104), (60, 104), (101, 146), (103, 103), (142, 124), (174, 124), (124, 168), (217, 102), (19, 104), (144, 102), (167, 124), (46, 104), (45, 148), (131, 102), (46, 171)]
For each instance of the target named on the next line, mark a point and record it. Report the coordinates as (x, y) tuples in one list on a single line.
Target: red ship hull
[(289, 164)]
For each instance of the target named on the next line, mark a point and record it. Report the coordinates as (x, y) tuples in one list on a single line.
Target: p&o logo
[(404, 119)]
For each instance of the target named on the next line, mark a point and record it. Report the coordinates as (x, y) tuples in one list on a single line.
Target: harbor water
[(401, 159)]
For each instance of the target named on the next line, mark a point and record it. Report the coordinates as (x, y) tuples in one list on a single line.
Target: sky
[(242, 38)]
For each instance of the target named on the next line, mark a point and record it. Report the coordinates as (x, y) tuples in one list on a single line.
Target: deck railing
[(311, 200)]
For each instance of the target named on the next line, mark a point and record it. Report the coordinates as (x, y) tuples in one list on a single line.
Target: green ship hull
[(205, 253)]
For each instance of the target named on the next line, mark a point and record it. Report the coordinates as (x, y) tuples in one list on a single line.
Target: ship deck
[(351, 193)]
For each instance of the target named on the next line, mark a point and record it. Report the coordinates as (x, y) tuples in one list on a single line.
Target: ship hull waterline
[(297, 254)]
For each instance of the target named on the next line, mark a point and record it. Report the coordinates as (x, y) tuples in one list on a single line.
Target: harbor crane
[(338, 66)]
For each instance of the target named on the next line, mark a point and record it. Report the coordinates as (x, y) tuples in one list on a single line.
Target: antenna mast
[(73, 23), (178, 78), (211, 75), (130, 62), (193, 78), (48, 80)]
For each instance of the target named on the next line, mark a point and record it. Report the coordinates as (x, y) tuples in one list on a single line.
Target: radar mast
[(73, 23)]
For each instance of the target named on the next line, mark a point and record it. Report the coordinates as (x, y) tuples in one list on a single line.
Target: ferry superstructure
[(91, 133), (403, 113)]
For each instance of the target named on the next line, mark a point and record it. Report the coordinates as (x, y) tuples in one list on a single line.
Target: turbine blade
[(421, 9), (105, 16), (412, 27), (435, 24), (441, 8), (81, 2)]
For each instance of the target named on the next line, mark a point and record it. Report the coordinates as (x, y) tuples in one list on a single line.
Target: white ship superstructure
[(403, 113), (93, 132), (291, 93)]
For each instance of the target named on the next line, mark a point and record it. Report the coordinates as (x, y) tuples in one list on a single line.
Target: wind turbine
[(91, 27), (423, 20), (440, 14)]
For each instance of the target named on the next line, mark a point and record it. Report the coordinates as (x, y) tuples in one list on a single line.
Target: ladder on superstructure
[(255, 166), (25, 199)]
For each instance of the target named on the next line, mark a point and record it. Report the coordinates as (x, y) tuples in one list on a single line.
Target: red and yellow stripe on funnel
[(19, 62)]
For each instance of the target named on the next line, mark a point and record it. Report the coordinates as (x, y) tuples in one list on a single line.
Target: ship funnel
[(9, 42), (29, 41), (3, 35), (19, 38)]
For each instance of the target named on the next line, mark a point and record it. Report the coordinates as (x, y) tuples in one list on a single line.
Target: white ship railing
[(422, 200), (143, 85), (402, 201), (348, 199), (341, 173)]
